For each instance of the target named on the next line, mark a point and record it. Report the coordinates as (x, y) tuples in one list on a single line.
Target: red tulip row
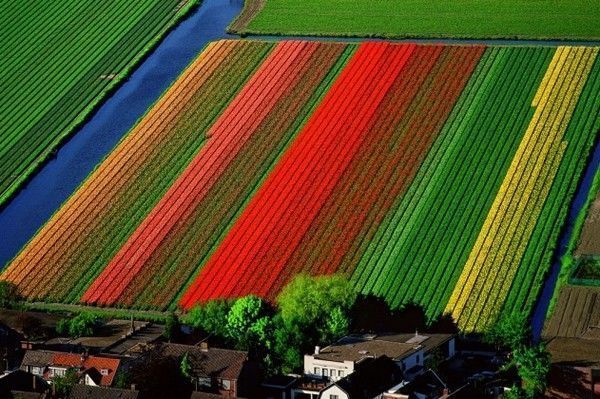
[(227, 137), (259, 244)]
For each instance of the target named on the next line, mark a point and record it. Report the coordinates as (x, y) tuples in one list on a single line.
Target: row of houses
[(390, 366)]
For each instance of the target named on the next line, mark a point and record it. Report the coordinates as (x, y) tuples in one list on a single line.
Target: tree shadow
[(372, 314)]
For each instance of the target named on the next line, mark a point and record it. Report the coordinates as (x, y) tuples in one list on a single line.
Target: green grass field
[(532, 19), (59, 60)]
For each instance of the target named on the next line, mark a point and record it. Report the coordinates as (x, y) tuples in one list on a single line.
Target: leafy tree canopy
[(242, 320), (512, 331), (84, 324), (307, 300), (8, 294), (210, 317)]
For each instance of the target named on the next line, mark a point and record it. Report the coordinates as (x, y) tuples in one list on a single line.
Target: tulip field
[(433, 174), (59, 60)]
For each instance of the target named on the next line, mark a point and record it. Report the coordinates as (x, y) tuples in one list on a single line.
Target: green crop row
[(54, 77)]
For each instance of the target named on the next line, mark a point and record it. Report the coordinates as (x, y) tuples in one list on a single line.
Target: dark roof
[(26, 395), (358, 347), (37, 358), (19, 380), (357, 350), (427, 383), (279, 381), (428, 341), (205, 395), (213, 362), (81, 391), (374, 377), (14, 318)]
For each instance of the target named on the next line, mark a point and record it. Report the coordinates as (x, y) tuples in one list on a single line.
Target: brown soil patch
[(577, 313), (589, 242), (251, 9)]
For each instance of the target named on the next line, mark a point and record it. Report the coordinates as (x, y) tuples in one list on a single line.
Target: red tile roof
[(83, 363)]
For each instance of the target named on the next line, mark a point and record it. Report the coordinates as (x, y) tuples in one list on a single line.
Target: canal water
[(58, 178), (541, 308)]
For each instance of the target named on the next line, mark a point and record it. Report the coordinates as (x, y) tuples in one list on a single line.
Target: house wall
[(414, 359), (223, 391), (451, 348), (333, 392), (310, 363), (298, 393)]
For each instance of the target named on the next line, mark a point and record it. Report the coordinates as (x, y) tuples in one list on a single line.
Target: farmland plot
[(433, 174), (72, 55)]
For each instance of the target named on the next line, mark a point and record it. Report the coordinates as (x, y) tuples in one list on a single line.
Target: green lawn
[(59, 59), (564, 19)]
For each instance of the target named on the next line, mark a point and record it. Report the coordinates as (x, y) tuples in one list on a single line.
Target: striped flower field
[(433, 174)]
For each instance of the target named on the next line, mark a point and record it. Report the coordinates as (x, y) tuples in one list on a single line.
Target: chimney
[(317, 350), (416, 332), (204, 346), (133, 387), (132, 326)]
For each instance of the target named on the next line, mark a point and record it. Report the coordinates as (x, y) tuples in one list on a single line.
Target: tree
[(186, 366), (62, 327), (31, 326), (512, 331), (533, 366), (84, 324), (288, 341), (435, 359), (159, 377), (241, 319), (8, 294), (64, 384), (337, 325), (172, 327), (309, 302), (516, 392), (210, 317)]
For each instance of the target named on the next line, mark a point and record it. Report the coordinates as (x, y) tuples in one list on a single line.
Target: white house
[(326, 371)]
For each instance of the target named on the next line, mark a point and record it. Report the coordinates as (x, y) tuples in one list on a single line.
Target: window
[(317, 370), (202, 381), (340, 373), (325, 372), (37, 370), (104, 371), (418, 359), (57, 372), (226, 384), (333, 397)]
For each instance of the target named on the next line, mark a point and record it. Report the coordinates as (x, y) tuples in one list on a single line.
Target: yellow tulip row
[(492, 264)]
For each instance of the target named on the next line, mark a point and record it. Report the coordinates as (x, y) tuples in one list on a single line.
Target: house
[(410, 351), (371, 379), (428, 385), (19, 383), (225, 372), (278, 387), (93, 370), (114, 338), (81, 391), (10, 347)]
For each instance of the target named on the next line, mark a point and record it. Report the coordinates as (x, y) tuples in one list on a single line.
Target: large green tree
[(210, 317), (318, 304), (245, 320)]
